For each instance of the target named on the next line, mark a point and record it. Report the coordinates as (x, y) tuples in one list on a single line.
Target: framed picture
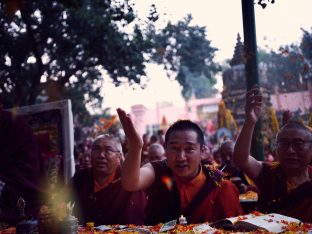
[(52, 125)]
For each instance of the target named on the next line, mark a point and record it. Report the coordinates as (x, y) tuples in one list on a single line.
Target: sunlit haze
[(278, 24)]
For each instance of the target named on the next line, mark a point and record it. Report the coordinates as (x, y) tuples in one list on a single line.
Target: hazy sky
[(278, 24)]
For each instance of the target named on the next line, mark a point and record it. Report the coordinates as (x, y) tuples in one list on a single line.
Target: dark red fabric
[(218, 199), (110, 205), (274, 196), (221, 203)]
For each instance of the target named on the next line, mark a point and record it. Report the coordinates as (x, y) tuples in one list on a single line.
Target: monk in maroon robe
[(98, 193)]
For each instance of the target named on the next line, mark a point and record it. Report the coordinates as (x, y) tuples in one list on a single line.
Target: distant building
[(198, 110), (295, 101)]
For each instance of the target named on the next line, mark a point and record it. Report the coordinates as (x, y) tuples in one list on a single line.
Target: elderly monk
[(98, 192), (285, 187)]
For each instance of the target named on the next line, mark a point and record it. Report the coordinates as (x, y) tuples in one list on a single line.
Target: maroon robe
[(274, 197), (110, 205)]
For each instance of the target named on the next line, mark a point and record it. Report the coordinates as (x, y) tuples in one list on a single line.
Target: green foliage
[(264, 3), (52, 50), (285, 68), (68, 46), (306, 48), (184, 50)]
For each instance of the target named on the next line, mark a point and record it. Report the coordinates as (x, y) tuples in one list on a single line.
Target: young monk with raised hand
[(179, 185)]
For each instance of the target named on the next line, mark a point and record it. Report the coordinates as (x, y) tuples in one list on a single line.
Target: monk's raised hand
[(253, 104), (133, 137)]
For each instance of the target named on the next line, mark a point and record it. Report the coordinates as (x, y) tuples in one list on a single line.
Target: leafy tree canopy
[(57, 51), (185, 51), (285, 68), (51, 50), (306, 48)]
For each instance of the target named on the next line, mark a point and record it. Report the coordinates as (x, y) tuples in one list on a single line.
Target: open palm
[(133, 137), (253, 105)]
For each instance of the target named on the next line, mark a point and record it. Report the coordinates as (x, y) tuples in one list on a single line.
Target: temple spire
[(238, 57)]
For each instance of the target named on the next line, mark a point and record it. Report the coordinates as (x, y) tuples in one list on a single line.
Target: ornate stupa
[(238, 56), (234, 83)]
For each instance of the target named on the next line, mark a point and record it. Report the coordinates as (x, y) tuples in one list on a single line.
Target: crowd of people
[(150, 180)]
